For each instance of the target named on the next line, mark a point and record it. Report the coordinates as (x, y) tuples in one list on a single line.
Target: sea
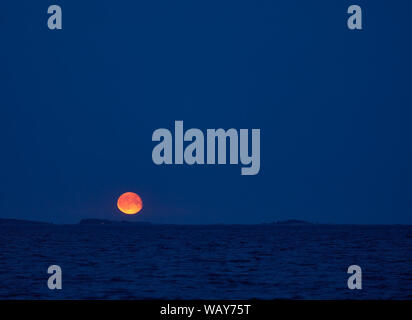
[(205, 262)]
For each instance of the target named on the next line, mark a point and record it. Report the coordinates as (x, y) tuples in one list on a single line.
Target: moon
[(129, 203)]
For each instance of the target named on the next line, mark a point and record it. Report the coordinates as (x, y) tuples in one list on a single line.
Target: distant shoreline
[(100, 222)]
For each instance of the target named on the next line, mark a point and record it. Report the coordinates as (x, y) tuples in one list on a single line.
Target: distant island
[(110, 222), (291, 222)]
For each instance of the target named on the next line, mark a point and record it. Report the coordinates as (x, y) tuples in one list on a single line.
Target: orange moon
[(129, 203)]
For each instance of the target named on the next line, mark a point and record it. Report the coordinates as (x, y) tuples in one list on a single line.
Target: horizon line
[(286, 222)]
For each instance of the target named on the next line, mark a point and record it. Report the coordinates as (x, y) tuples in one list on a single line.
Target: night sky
[(79, 106)]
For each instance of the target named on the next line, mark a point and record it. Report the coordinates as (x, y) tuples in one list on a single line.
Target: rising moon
[(129, 203)]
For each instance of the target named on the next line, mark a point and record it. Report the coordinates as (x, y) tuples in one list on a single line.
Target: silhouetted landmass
[(109, 222), (21, 222), (292, 222)]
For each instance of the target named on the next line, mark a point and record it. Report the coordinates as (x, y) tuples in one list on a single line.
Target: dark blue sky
[(79, 106)]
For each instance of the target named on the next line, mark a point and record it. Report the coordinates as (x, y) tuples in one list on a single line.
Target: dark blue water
[(206, 262)]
